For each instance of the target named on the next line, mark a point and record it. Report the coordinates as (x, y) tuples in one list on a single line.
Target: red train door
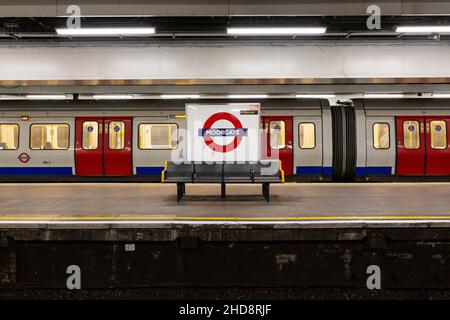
[(410, 145), (103, 146), (89, 146), (279, 138), (438, 153), (117, 146)]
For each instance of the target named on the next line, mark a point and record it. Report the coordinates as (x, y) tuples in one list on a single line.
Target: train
[(355, 140)]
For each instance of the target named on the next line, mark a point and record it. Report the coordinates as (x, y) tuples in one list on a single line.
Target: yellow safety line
[(219, 218)]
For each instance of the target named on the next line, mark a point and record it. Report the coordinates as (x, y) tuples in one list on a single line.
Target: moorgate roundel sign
[(208, 132)]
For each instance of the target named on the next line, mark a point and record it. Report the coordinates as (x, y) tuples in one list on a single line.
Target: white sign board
[(223, 132)]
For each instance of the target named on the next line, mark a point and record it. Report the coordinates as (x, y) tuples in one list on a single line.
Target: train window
[(49, 136), (307, 135), (9, 136), (381, 136), (277, 133), (90, 135), (438, 134), (158, 136), (116, 135), (411, 135)]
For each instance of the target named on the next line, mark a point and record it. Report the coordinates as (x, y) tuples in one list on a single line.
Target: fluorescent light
[(248, 96), (106, 31), (46, 97), (423, 29), (180, 96), (315, 96), (12, 97), (383, 95), (441, 95), (113, 96), (276, 31)]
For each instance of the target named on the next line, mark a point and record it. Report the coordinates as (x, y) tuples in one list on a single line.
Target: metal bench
[(264, 172)]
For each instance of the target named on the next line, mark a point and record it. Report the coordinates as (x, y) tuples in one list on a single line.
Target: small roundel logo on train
[(24, 157), (116, 128), (90, 128), (208, 132), (411, 128), (438, 128)]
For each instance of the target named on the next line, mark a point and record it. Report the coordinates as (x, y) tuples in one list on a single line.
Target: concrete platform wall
[(224, 62), (216, 257)]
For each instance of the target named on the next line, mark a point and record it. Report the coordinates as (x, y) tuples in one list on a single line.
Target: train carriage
[(133, 139), (408, 137), (44, 146), (368, 139)]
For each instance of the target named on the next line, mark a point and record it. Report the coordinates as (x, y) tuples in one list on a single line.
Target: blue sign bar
[(220, 132)]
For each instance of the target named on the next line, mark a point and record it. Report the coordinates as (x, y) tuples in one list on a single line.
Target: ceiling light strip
[(248, 96), (113, 96), (106, 31), (422, 29), (440, 95), (180, 96), (383, 95), (315, 96), (46, 97), (276, 31)]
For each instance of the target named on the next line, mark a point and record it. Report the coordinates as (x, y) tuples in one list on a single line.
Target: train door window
[(381, 136), (277, 133), (158, 136), (49, 136), (90, 135), (307, 135), (9, 136), (438, 134), (411, 135), (116, 135)]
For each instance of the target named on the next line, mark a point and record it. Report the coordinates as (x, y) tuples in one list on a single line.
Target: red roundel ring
[(24, 157), (222, 116)]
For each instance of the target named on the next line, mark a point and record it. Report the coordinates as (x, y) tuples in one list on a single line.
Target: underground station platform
[(104, 205), (136, 235)]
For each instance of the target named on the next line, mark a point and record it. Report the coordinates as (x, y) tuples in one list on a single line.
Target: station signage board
[(223, 132)]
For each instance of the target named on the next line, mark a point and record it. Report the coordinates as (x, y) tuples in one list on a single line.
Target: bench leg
[(222, 190), (266, 190), (180, 192)]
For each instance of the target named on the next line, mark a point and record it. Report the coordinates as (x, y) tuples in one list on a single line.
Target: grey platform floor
[(292, 201)]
